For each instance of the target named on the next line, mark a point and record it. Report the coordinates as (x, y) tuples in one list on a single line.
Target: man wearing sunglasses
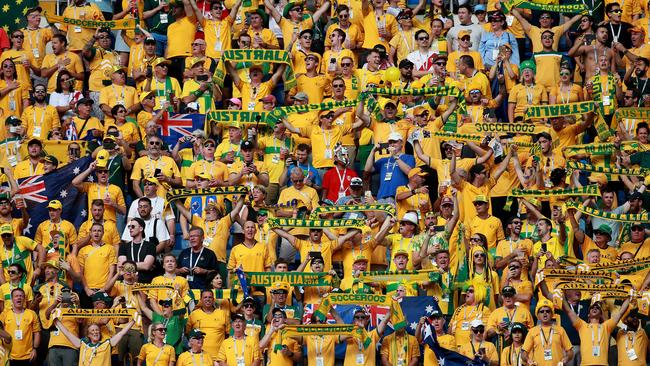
[(40, 118), (167, 88), (196, 353), (156, 165), (547, 343), (111, 194), (292, 20), (423, 56), (618, 30), (290, 350), (477, 346), (215, 170), (545, 23), (279, 294), (47, 229), (513, 246)]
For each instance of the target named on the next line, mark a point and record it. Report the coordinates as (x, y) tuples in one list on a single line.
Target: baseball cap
[(508, 291), (301, 96), (446, 200), (13, 121), (356, 182), (102, 159), (395, 136), (196, 333), (280, 286), (55, 204), (518, 327), (102, 296), (480, 198), (247, 145), (405, 63), (51, 263), (604, 229), (35, 142), (6, 229), (160, 61), (118, 68), (146, 95), (411, 217), (464, 33), (51, 159), (236, 101), (85, 101), (478, 8), (165, 302), (416, 171), (360, 258), (237, 316), (476, 323), (199, 133)]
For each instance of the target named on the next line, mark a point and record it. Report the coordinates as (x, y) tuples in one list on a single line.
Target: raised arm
[(501, 168), (118, 337), (273, 12), (323, 8), (525, 25), (76, 342), (285, 235)]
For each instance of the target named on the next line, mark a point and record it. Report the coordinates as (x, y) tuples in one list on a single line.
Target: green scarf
[(606, 291), (314, 224), (643, 217), (559, 110), (489, 127), (17, 257), (279, 113), (353, 331), (590, 190), (398, 276), (175, 194), (602, 129), (232, 118), (305, 279), (633, 113), (602, 148), (569, 8), (389, 209), (638, 172), (91, 23), (257, 56), (397, 317)]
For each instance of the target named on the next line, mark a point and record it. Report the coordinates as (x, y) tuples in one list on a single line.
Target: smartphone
[(438, 228), (544, 248), (66, 296), (109, 145), (156, 172), (203, 77)]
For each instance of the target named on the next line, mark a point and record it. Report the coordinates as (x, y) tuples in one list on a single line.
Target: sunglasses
[(627, 97), (618, 11), (18, 36), (562, 73), (478, 255), (475, 92), (346, 64), (149, 184), (545, 17), (155, 143), (423, 38), (338, 85), (516, 222), (278, 316), (306, 37), (248, 305), (544, 311), (296, 181), (209, 145), (161, 330), (12, 272), (637, 228), (478, 330), (131, 226), (470, 291), (547, 37), (441, 63), (359, 317), (479, 203)]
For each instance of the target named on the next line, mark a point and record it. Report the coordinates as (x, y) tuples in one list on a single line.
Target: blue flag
[(180, 125), (242, 281), (38, 190), (445, 356)]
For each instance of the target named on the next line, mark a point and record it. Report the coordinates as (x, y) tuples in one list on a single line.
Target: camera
[(203, 77), (66, 296)]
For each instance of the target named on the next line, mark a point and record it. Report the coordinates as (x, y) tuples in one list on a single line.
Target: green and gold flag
[(13, 13)]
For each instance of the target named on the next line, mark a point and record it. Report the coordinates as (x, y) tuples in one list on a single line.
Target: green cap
[(528, 64), (605, 229)]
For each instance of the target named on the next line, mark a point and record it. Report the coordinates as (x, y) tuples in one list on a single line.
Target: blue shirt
[(391, 176), (490, 42), (308, 170)]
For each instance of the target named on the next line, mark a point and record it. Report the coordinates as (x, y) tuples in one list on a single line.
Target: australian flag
[(446, 357), (180, 125), (38, 190)]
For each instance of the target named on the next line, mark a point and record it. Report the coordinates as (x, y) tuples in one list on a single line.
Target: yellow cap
[(102, 159), (55, 204)]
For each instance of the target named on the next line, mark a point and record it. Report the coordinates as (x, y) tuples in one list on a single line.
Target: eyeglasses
[(478, 330), (278, 316), (423, 38), (544, 311), (545, 17), (338, 85), (637, 228), (197, 44), (306, 37), (441, 63), (628, 97), (131, 226), (161, 330), (149, 183), (39, 91), (18, 36), (547, 37), (344, 15), (296, 181), (155, 143), (479, 203), (470, 291), (516, 222), (563, 73), (326, 116), (101, 171), (103, 37), (465, 39)]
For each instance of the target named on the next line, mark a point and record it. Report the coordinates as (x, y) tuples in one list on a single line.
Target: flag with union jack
[(179, 125), (38, 190)]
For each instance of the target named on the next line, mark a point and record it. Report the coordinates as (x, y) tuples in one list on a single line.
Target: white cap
[(476, 323), (395, 136), (411, 217), (193, 105)]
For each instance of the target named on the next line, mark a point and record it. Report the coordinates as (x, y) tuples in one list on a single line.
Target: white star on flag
[(429, 309), (84, 213), (90, 178), (441, 361), (414, 325), (76, 170), (28, 228), (63, 194)]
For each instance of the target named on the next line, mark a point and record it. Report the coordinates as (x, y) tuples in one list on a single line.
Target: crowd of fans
[(105, 94)]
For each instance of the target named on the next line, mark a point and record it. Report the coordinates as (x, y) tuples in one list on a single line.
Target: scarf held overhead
[(398, 276), (91, 23), (118, 313), (321, 210), (305, 279), (279, 113), (256, 56), (354, 331), (315, 224), (637, 172), (554, 8), (397, 317), (175, 194), (590, 190), (643, 217)]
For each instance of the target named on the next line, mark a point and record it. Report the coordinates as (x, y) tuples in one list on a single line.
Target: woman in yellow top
[(479, 269), (566, 91), (128, 130), (92, 350), (157, 353), (13, 96), (527, 93)]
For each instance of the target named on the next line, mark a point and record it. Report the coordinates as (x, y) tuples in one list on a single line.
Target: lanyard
[(595, 342), (406, 40), (529, 94), (234, 345), (568, 94), (164, 86), (121, 99), (194, 360), (342, 179), (319, 351), (99, 191), (614, 36), (40, 123), (137, 259), (543, 338), (627, 340), (327, 139), (197, 258), (151, 161), (515, 361), (10, 259), (38, 36)]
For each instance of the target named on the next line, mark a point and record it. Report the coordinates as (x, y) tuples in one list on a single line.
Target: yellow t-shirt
[(371, 24), (144, 167), (354, 349), (249, 180), (26, 324), (95, 263), (535, 35), (215, 326), (337, 56), (250, 96), (441, 166), (404, 43), (177, 33), (75, 66), (95, 191), (559, 344), (469, 349), (325, 247), (594, 341), (190, 359), (218, 35), (550, 64), (321, 346), (255, 259), (323, 143), (271, 147), (288, 27), (232, 350), (35, 41), (25, 169), (78, 36), (12, 102), (20, 254), (491, 227), (520, 314), (157, 356), (177, 297), (57, 338), (39, 121), (113, 95), (397, 241), (17, 56), (400, 349), (524, 96), (468, 194), (216, 236), (5, 294), (454, 57), (95, 354), (553, 246), (165, 89), (101, 67), (463, 316), (315, 87), (216, 170), (626, 341), (446, 341), (111, 236), (277, 358), (205, 100)]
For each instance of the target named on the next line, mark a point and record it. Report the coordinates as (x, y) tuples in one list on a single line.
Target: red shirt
[(335, 182)]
